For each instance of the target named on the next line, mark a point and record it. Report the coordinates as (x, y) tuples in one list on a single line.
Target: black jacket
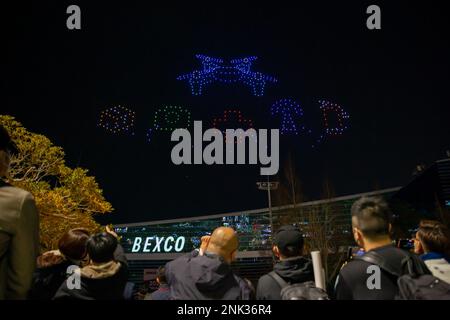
[(103, 282), (206, 277), (47, 280), (292, 270), (351, 283)]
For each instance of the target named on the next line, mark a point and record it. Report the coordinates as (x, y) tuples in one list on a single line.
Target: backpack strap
[(415, 266), (279, 280), (410, 263), (375, 258)]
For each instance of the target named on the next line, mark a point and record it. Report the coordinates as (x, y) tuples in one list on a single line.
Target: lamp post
[(268, 186)]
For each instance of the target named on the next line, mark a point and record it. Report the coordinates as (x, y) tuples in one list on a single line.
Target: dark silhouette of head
[(288, 242), (371, 218), (101, 247)]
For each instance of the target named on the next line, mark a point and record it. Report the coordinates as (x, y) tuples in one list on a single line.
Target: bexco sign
[(158, 244)]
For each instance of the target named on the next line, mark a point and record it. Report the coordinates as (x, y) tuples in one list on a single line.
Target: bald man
[(208, 276)]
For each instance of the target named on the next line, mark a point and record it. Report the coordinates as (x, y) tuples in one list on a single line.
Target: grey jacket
[(19, 241)]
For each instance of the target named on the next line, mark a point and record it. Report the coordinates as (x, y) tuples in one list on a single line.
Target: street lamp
[(268, 186)]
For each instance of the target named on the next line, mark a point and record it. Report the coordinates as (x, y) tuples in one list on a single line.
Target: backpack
[(414, 280), (299, 291)]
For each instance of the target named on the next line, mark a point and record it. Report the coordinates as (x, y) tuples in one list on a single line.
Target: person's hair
[(372, 215), (435, 236), (101, 247), (161, 275), (49, 259), (73, 244)]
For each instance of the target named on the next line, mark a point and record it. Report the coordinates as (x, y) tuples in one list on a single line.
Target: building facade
[(149, 245)]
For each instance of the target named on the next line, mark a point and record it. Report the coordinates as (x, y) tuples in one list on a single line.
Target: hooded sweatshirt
[(205, 277), (292, 270)]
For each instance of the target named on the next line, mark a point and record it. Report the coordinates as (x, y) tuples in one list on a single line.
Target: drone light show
[(232, 118), (329, 108), (289, 111), (169, 118), (287, 114), (117, 120), (236, 71)]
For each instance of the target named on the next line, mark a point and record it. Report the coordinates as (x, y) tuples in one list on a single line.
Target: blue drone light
[(237, 71), (289, 110)]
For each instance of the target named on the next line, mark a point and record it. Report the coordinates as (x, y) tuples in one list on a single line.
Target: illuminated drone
[(237, 71)]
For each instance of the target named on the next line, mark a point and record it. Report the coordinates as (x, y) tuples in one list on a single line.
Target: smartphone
[(353, 252), (405, 244)]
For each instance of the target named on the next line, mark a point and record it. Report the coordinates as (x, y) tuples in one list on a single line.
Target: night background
[(393, 83)]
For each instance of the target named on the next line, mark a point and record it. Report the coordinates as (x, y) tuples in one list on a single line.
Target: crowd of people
[(99, 269)]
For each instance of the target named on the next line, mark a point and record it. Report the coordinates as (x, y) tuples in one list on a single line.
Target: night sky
[(393, 82)]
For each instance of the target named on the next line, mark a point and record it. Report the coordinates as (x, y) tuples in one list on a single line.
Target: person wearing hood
[(208, 276), (52, 266), (291, 266), (105, 277)]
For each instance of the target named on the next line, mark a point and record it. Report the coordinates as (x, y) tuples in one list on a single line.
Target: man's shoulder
[(176, 267), (358, 266), (265, 278), (440, 264), (14, 199), (266, 281), (15, 194), (354, 268), (182, 260)]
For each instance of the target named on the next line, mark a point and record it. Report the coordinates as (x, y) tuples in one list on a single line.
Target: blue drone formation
[(237, 71), (288, 110)]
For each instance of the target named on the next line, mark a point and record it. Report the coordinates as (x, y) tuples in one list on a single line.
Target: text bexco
[(158, 244)]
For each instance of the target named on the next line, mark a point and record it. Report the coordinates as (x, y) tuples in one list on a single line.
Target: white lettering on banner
[(136, 245), (166, 248), (159, 244), (157, 247), (147, 244), (179, 244)]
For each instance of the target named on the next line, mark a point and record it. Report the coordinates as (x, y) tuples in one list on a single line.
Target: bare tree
[(316, 222)]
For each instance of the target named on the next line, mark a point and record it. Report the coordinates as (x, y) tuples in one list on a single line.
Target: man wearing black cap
[(19, 230), (291, 266)]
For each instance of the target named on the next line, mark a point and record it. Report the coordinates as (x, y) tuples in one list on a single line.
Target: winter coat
[(292, 270), (52, 270), (19, 241), (207, 277)]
